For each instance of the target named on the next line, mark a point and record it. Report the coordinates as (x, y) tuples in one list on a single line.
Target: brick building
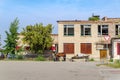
[(88, 37)]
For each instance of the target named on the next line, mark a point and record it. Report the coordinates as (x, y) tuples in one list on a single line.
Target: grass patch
[(105, 64), (115, 64), (40, 58)]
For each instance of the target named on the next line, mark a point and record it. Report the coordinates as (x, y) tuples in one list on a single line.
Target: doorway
[(103, 54)]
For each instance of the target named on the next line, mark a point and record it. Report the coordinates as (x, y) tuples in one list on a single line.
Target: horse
[(61, 55)]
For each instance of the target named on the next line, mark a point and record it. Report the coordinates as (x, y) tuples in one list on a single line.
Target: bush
[(111, 60), (40, 58), (92, 59), (19, 57)]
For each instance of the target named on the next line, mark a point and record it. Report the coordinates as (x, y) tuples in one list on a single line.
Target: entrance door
[(103, 54)]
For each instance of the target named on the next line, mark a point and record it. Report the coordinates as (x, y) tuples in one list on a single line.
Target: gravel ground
[(32, 70)]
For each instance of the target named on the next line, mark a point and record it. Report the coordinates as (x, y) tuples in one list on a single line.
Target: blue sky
[(30, 12)]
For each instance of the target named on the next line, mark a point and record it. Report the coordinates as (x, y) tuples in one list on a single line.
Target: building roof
[(104, 20), (81, 21)]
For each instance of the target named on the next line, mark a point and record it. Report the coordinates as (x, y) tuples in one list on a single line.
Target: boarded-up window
[(69, 48), (118, 48), (86, 48)]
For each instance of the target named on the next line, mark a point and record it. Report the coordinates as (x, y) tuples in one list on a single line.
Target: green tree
[(12, 37), (94, 18), (0, 40), (38, 37)]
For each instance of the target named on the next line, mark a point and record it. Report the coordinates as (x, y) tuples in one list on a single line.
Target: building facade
[(88, 37)]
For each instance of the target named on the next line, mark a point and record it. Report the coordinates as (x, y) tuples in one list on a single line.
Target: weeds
[(92, 59), (115, 64), (40, 58)]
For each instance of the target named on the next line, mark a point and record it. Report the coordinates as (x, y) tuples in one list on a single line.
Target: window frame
[(101, 29), (117, 29), (84, 31), (67, 31)]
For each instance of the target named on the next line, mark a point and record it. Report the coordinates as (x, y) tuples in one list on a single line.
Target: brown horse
[(63, 55)]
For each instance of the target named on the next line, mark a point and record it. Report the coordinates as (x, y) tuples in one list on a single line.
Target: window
[(86, 48), (85, 30), (69, 30), (69, 48), (117, 28), (102, 29)]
